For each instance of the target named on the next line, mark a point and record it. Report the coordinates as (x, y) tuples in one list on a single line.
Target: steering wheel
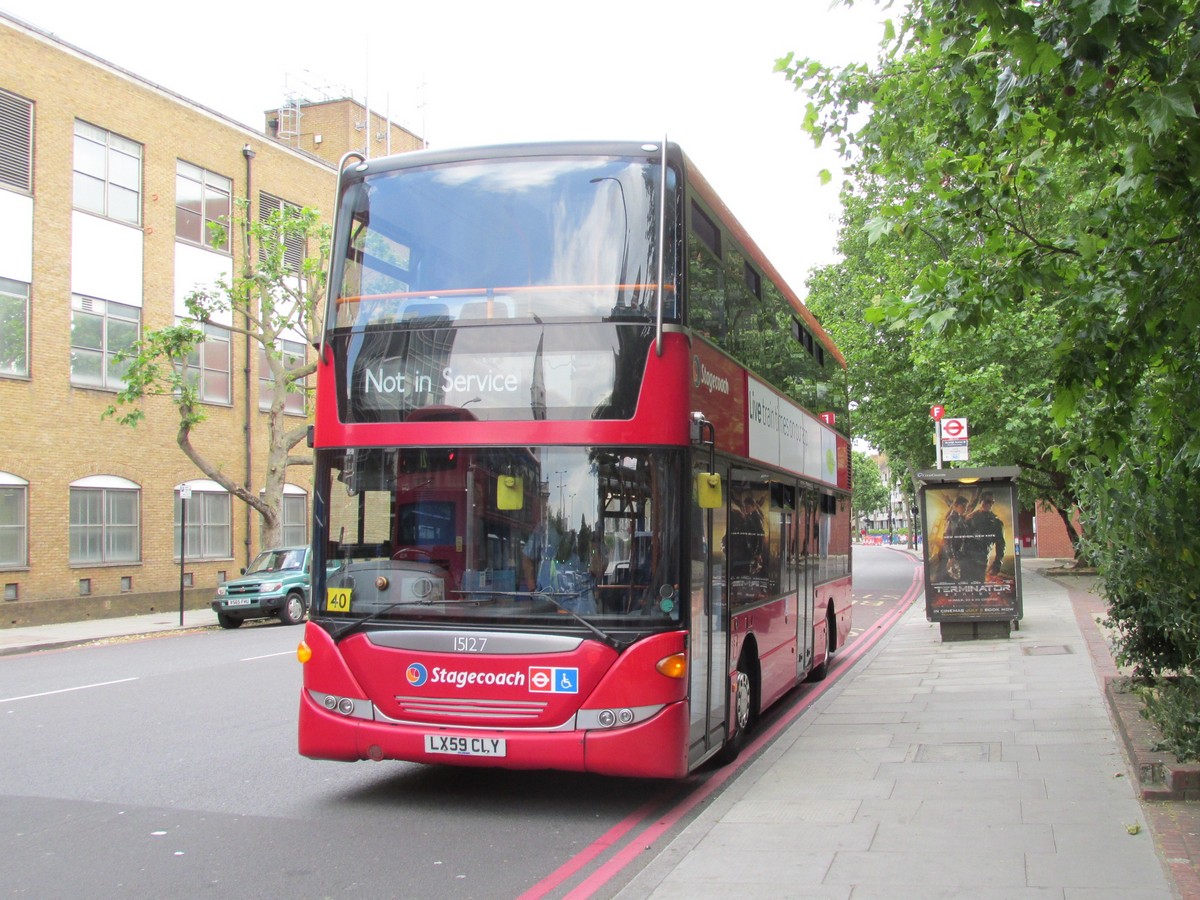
[(412, 554)]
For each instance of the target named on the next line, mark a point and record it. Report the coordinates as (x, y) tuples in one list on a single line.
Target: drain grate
[(957, 753), (1046, 650)]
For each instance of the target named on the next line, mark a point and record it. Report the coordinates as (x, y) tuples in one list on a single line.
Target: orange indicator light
[(673, 666)]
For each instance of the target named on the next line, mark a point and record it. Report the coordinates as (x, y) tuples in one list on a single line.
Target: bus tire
[(743, 712), (818, 673)]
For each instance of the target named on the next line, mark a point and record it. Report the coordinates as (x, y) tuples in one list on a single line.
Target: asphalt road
[(167, 767)]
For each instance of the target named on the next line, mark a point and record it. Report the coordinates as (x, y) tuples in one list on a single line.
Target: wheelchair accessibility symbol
[(546, 680)]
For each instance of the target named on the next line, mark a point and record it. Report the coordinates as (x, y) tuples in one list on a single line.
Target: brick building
[(106, 182), (1052, 539)]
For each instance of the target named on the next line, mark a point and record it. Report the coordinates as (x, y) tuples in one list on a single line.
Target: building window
[(293, 357), (14, 327), (85, 587), (295, 520), (293, 254), (209, 525), (108, 174), (208, 366), (100, 329), (105, 517), (126, 584), (16, 142), (202, 198), (11, 591), (14, 519)]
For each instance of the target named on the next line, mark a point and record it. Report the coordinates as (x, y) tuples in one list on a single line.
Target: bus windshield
[(533, 239), (503, 535)]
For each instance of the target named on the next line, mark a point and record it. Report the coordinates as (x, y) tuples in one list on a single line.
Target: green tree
[(271, 299), (1057, 143), (998, 379), (870, 493)]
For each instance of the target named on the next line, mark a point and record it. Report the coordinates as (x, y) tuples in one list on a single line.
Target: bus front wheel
[(818, 673), (743, 713)]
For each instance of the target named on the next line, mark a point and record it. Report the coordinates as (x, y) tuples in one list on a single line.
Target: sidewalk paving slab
[(987, 768)]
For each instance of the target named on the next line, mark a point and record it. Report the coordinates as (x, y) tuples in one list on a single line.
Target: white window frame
[(199, 367), (107, 174), (110, 314), (208, 536), (14, 361), (14, 521), (294, 515), (105, 532), (295, 404), (215, 194)]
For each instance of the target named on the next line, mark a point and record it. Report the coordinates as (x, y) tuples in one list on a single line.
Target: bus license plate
[(461, 745)]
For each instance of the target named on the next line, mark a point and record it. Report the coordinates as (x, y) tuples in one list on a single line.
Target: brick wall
[(53, 433), (1053, 542), (340, 126)]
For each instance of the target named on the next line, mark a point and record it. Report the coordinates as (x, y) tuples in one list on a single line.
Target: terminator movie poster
[(971, 563)]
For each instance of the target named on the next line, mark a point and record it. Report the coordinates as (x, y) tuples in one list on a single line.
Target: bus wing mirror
[(510, 493), (708, 490)]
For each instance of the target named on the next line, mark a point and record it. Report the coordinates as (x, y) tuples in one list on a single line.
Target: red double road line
[(635, 844)]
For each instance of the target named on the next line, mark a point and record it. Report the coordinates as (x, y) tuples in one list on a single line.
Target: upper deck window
[(538, 240)]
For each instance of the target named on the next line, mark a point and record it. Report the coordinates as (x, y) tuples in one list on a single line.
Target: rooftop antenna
[(421, 106)]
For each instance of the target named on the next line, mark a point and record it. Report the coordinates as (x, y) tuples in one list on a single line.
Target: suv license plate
[(239, 601), (461, 745)]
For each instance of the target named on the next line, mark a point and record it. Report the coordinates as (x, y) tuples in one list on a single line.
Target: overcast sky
[(465, 72)]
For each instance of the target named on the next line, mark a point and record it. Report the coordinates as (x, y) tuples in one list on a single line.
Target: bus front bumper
[(654, 748)]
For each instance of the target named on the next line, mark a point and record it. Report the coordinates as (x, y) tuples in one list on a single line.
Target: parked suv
[(277, 583)]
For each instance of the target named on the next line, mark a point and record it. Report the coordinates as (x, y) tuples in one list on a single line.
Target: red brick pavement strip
[(1174, 824)]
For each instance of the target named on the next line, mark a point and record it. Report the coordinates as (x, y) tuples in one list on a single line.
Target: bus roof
[(650, 149)]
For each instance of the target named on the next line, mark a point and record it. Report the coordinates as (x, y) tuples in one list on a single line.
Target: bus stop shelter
[(972, 551)]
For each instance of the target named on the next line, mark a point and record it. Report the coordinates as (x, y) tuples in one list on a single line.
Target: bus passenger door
[(708, 650), (806, 555)]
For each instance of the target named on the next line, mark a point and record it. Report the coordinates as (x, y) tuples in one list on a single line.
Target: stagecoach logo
[(711, 380), (418, 675)]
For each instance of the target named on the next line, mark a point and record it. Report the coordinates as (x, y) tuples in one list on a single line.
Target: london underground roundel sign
[(954, 429)]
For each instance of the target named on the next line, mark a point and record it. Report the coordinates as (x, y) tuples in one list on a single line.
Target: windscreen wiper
[(370, 617), (596, 630)]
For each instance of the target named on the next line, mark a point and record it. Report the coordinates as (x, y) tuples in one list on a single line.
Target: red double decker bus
[(581, 497)]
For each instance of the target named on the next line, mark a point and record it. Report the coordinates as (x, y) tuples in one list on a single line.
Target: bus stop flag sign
[(954, 439)]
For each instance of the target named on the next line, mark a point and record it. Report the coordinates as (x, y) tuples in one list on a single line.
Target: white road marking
[(82, 687)]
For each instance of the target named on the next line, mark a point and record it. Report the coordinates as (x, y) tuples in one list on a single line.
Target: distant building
[(896, 518), (106, 184), (328, 128)]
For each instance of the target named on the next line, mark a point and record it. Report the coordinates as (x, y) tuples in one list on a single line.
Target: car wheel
[(228, 621), (293, 609)]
